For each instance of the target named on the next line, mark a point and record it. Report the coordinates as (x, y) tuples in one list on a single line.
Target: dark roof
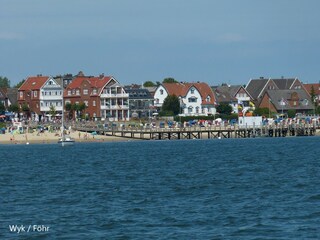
[(13, 95), (255, 87), (277, 96), (226, 93), (138, 93), (284, 83)]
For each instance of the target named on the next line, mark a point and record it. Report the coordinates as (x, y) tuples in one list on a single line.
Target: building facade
[(42, 95), (196, 99), (103, 97)]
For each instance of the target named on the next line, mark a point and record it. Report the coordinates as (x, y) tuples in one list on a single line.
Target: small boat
[(66, 140)]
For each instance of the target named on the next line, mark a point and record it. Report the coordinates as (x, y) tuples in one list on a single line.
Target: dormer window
[(94, 91), (208, 99)]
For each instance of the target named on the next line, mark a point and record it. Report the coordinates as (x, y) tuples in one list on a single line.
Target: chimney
[(101, 75)]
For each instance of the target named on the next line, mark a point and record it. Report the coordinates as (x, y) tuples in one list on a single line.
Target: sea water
[(267, 188)]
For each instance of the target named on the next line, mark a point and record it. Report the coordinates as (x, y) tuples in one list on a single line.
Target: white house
[(195, 98), (51, 97), (41, 94)]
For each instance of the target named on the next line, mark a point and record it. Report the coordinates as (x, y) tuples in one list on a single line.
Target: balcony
[(47, 109), (115, 107), (114, 95), (50, 98)]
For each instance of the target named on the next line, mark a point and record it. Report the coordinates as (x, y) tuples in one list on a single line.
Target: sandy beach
[(48, 137)]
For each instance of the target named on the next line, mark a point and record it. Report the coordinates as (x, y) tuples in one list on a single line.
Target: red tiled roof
[(94, 81), (316, 87), (33, 83), (181, 89)]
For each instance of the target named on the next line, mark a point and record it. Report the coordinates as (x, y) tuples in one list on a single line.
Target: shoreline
[(50, 138)]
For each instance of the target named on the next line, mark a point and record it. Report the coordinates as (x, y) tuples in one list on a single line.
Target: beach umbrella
[(94, 133)]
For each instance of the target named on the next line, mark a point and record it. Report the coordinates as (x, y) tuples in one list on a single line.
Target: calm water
[(188, 189)]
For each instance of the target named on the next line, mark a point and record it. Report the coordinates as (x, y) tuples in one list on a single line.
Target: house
[(42, 95), (235, 95), (3, 97), (282, 101), (257, 87), (313, 88), (103, 97), (65, 79), (12, 95), (195, 98), (140, 101)]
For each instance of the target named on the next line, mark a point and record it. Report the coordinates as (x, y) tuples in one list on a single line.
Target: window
[(192, 99), (21, 94), (192, 90), (85, 91), (208, 99), (161, 91), (197, 109), (94, 103), (69, 92), (94, 91), (77, 92), (190, 109), (35, 94)]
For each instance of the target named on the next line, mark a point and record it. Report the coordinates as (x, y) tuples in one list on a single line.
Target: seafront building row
[(105, 97)]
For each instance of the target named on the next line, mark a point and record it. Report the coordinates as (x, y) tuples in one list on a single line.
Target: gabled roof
[(33, 83), (277, 96), (316, 88), (12, 94), (3, 93), (284, 83), (181, 89), (226, 93), (255, 86), (95, 82)]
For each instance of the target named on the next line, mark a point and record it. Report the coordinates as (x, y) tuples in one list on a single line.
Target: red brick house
[(40, 94), (103, 96)]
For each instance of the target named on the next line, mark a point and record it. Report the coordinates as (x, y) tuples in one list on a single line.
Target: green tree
[(2, 108), (82, 109), (68, 108), (313, 96), (4, 82), (75, 108), (224, 108), (261, 111), (149, 84), (171, 104), (18, 85), (14, 108), (291, 113), (25, 109), (169, 80), (52, 111)]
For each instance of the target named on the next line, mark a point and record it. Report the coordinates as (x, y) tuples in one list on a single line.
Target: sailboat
[(65, 139)]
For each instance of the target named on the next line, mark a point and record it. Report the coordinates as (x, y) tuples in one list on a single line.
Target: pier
[(197, 132)]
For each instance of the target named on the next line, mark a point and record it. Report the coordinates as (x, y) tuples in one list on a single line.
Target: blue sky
[(227, 41)]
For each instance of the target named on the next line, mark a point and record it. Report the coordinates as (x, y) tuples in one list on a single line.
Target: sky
[(214, 41)]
